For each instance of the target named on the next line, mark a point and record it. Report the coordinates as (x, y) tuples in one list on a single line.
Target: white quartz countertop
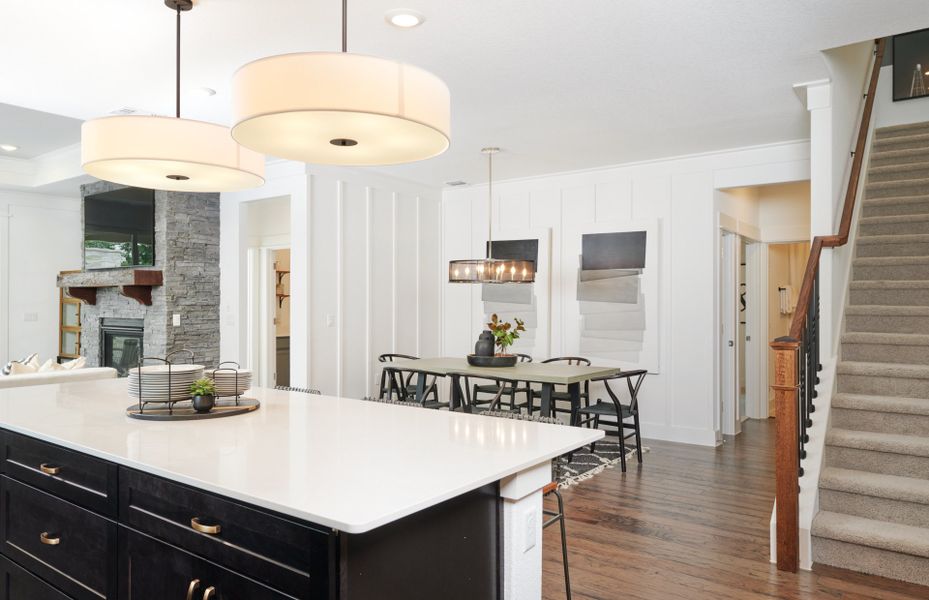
[(347, 464)]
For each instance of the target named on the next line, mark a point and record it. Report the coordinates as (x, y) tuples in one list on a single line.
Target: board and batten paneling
[(679, 402), (366, 280)]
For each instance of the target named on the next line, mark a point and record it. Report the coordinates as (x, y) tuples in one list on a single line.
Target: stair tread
[(891, 487), (887, 310), (893, 219), (894, 443), (894, 238), (899, 153), (878, 369), (889, 339), (897, 200), (895, 130), (922, 182), (891, 260), (889, 284), (879, 169), (887, 404), (905, 539)]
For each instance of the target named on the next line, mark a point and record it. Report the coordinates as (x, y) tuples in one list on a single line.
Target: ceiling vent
[(124, 111), (456, 183)]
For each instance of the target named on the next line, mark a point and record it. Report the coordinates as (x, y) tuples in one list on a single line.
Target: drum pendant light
[(169, 153), (490, 269), (339, 108)]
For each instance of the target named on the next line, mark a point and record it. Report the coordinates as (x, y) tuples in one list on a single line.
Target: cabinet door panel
[(18, 584), (64, 544), (153, 570)]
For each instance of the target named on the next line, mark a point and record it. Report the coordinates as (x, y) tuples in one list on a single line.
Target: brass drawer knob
[(209, 593), (49, 539), (207, 529), (192, 589), (49, 469)]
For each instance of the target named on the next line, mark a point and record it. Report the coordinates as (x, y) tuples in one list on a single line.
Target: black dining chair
[(562, 396), (491, 389), (553, 516), (618, 413), (400, 381)]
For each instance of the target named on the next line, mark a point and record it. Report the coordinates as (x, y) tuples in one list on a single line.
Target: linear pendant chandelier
[(490, 269), (168, 153), (340, 108)]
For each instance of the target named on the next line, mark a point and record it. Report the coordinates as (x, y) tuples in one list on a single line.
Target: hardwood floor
[(691, 523)]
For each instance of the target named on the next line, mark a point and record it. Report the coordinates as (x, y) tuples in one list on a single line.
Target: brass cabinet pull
[(209, 593), (49, 539), (49, 469), (192, 588), (207, 529)]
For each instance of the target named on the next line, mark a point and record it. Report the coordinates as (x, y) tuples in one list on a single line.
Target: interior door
[(729, 323)]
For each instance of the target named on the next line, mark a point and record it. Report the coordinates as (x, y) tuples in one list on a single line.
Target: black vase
[(203, 404), (485, 344)]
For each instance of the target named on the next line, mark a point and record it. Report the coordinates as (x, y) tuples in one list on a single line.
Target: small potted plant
[(203, 391), (505, 333)]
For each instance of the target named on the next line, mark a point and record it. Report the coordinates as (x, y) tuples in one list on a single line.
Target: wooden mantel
[(132, 283)]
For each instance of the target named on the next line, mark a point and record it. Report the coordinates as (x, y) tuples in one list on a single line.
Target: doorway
[(786, 265), (267, 231)]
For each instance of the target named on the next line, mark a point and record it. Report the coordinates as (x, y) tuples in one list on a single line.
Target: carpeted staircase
[(874, 488)]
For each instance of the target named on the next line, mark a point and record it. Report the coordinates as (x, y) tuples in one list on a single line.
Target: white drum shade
[(166, 153), (341, 109)]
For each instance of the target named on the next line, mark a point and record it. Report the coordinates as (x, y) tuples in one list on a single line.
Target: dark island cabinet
[(157, 571), (75, 527)]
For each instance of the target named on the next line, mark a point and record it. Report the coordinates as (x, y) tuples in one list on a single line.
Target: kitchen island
[(308, 497)]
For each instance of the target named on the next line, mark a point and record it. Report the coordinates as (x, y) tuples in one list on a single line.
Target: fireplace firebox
[(121, 343)]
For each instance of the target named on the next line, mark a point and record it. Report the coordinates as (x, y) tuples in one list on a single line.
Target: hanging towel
[(787, 299)]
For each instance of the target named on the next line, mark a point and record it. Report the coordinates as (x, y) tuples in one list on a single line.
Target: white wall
[(680, 402), (39, 236), (364, 272)]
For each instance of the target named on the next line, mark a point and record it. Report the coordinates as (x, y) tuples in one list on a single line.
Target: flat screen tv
[(119, 229)]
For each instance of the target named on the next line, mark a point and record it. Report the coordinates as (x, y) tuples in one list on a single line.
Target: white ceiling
[(558, 85), (35, 132)]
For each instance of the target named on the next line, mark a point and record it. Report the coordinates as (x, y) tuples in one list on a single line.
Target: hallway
[(692, 523)]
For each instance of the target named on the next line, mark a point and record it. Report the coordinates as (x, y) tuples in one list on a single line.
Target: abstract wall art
[(612, 315), (529, 302)]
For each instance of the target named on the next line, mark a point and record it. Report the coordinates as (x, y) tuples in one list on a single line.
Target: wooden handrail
[(851, 192), (787, 353)]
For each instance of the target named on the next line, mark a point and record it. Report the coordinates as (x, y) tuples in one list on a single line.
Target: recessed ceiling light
[(9, 147), (205, 91), (456, 183), (404, 18)]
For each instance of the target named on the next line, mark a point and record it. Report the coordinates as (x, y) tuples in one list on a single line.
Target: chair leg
[(593, 445), (638, 439), (622, 444), (564, 544)]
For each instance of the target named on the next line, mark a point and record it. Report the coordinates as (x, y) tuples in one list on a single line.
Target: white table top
[(347, 464), (559, 373)]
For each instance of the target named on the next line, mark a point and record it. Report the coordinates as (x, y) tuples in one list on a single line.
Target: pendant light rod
[(178, 6), (490, 151), (177, 67), (344, 25)]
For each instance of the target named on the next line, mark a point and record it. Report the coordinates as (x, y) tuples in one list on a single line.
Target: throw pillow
[(50, 365), (77, 363), (9, 366), (18, 368)]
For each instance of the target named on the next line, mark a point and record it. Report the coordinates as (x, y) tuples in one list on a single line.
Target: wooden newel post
[(787, 454)]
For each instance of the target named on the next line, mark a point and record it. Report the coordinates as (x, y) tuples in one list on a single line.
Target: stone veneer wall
[(187, 251)]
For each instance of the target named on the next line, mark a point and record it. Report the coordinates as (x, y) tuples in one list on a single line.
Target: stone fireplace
[(128, 310)]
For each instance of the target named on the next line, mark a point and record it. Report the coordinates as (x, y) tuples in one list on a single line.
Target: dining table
[(547, 375)]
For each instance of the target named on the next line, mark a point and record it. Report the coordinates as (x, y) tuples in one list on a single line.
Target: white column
[(823, 200), (522, 532)]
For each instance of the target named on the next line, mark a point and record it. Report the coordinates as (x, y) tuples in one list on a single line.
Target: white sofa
[(49, 377)]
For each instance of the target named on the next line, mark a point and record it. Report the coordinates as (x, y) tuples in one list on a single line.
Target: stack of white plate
[(230, 382), (159, 384)]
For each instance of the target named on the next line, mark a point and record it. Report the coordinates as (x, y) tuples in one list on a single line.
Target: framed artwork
[(911, 65), (529, 302), (610, 280)]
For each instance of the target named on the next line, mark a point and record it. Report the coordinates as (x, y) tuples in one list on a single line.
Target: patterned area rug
[(585, 464)]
